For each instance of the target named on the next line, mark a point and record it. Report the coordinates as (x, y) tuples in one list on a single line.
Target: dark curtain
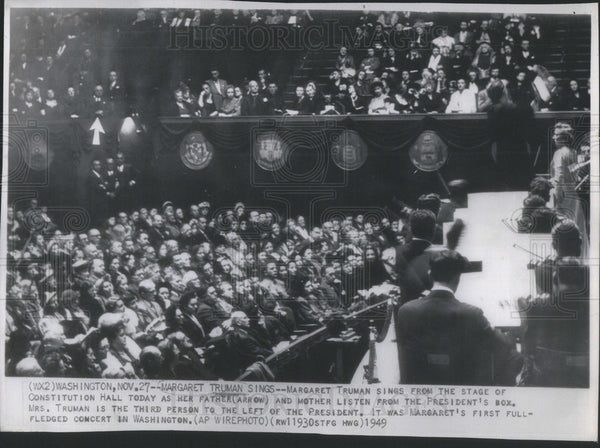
[(233, 174)]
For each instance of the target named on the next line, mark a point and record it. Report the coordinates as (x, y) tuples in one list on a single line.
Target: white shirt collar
[(438, 287), (414, 238)]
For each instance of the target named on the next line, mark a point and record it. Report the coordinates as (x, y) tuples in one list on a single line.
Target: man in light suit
[(218, 88), (444, 341)]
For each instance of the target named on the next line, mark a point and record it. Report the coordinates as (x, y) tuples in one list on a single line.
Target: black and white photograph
[(359, 201)]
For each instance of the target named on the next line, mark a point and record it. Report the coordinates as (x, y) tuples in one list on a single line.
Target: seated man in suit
[(464, 36), (245, 348), (255, 103), (191, 326), (444, 341)]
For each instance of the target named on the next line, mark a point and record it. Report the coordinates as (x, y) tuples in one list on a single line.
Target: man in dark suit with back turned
[(408, 264), (444, 341)]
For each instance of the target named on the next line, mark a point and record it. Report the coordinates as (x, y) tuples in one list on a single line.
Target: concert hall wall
[(234, 175)]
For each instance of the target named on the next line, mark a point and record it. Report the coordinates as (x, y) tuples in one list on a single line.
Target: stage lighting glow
[(128, 127)]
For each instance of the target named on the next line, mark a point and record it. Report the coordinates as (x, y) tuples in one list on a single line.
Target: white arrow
[(98, 129)]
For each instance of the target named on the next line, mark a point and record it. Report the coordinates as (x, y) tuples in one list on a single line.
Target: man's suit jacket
[(190, 367), (255, 105), (523, 61), (507, 66), (114, 92), (158, 235), (96, 186), (574, 103), (51, 77), (217, 89), (194, 330), (174, 109), (458, 66), (210, 314), (245, 348), (34, 111), (412, 268), (444, 341), (23, 71), (414, 66), (469, 38), (310, 106), (125, 175), (358, 105), (112, 181), (433, 104), (557, 100), (388, 63), (95, 104)]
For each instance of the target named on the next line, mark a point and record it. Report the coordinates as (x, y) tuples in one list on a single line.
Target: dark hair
[(540, 187), (186, 298), (495, 91), (52, 364), (431, 202), (112, 331), (571, 272), (167, 349), (566, 238), (375, 85), (446, 265), (149, 360), (543, 219), (170, 318), (422, 224), (533, 201)]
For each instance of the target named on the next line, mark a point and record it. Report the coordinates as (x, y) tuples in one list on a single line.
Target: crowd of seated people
[(447, 70), (221, 99), (169, 292), (442, 74), (396, 63), (75, 63), (200, 295)]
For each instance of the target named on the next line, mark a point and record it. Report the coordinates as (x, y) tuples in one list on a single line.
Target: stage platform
[(490, 236)]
